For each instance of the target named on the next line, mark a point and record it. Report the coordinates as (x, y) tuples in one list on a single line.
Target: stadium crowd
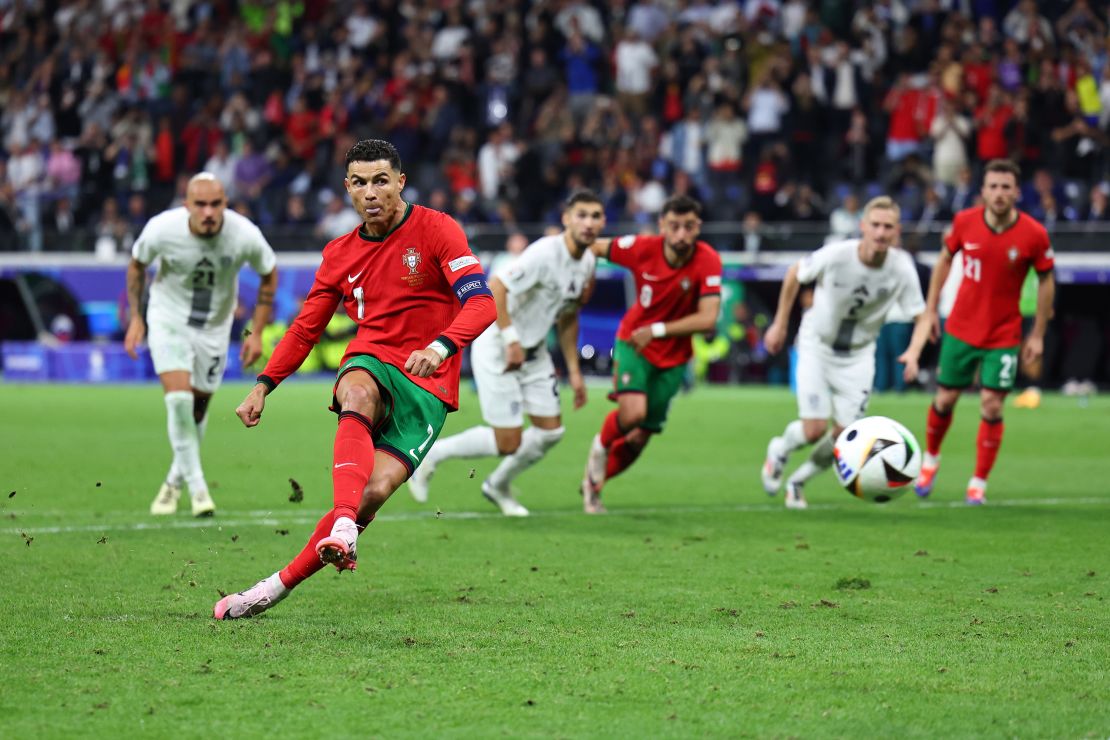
[(766, 110)]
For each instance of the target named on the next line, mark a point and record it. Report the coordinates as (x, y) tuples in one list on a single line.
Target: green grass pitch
[(697, 607)]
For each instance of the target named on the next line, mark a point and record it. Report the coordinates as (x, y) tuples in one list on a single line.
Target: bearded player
[(678, 294), (982, 335)]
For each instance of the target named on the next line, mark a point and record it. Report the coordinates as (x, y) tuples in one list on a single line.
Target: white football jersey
[(542, 281), (851, 300), (197, 283)]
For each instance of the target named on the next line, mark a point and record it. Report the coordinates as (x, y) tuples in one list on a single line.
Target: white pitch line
[(274, 519)]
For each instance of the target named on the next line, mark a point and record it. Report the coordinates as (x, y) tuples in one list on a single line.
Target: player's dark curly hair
[(372, 150), (581, 195), (681, 205)]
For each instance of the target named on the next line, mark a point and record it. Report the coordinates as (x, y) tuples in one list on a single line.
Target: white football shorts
[(506, 397), (201, 352), (831, 385)]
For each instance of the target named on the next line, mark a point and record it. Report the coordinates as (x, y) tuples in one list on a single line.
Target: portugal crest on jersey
[(411, 258)]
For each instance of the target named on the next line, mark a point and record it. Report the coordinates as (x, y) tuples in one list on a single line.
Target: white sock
[(176, 477), (473, 442), (534, 444), (184, 440), (820, 458), (276, 588), (794, 436), (930, 461), (977, 482), (345, 526)]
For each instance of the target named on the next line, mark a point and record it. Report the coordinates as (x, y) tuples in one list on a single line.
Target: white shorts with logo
[(506, 397), (200, 352), (831, 385)]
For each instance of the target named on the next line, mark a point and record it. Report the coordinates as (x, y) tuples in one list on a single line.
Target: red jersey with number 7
[(664, 293), (986, 313), (417, 283)]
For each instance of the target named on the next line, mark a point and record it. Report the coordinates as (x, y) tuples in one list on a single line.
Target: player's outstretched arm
[(774, 339), (250, 410), (136, 327), (251, 349)]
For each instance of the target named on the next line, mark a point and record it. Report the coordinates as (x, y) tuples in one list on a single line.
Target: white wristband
[(509, 335), (658, 330), (437, 347)]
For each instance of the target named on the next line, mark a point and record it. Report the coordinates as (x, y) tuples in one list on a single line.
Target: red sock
[(621, 455), (987, 444), (353, 461), (307, 561), (936, 426), (610, 430)]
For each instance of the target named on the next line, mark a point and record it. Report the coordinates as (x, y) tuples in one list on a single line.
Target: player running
[(512, 367), (858, 281), (200, 248), (982, 335), (678, 290), (408, 279)]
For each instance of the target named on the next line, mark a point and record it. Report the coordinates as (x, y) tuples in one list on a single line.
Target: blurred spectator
[(844, 220), (1099, 208), (752, 232), (495, 162), (63, 172), (113, 234), (222, 164), (1024, 25), (25, 177), (964, 192), (635, 62), (950, 132), (934, 214), (338, 219), (725, 136), (295, 212)]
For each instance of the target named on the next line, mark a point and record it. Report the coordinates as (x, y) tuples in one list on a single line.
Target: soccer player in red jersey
[(407, 277), (678, 293), (983, 331)]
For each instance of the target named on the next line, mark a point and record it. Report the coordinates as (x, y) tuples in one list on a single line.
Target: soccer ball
[(876, 458)]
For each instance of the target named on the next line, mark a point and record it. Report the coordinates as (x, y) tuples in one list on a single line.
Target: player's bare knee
[(362, 398), (814, 429), (508, 440), (631, 418), (945, 399), (990, 406)]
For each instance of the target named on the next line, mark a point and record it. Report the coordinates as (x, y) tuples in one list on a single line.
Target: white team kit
[(543, 281), (195, 292), (836, 340)]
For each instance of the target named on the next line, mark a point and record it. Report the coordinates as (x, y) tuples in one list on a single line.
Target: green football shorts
[(414, 419), (959, 361), (634, 374)]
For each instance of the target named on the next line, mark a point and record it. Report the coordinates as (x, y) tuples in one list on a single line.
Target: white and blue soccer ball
[(876, 458)]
